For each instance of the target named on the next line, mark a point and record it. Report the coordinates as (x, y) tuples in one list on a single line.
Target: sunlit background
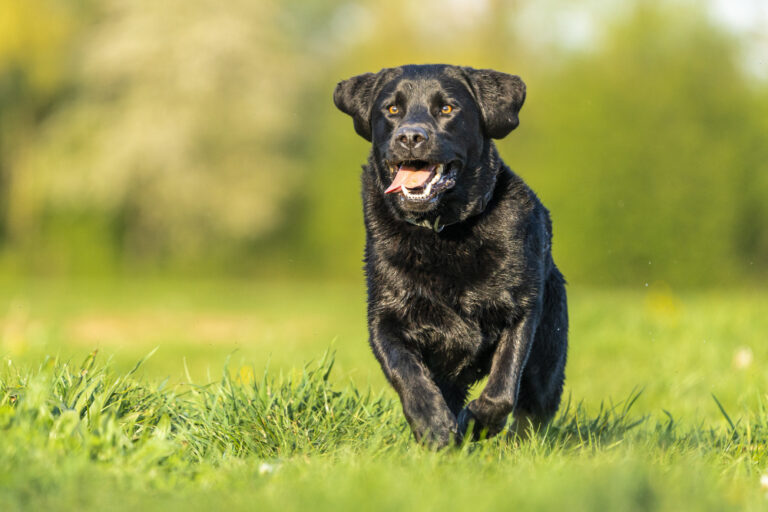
[(174, 172), (199, 137)]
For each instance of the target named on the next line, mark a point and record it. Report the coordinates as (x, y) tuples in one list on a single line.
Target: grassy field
[(238, 408)]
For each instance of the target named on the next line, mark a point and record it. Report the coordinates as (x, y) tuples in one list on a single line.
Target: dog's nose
[(411, 136)]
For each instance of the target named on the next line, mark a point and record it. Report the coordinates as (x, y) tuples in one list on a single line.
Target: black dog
[(461, 281)]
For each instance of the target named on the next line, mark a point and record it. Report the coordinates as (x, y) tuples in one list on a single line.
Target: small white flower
[(764, 482), (742, 358), (266, 468)]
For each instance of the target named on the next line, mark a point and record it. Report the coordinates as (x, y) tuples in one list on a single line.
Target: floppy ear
[(355, 97), (499, 97)]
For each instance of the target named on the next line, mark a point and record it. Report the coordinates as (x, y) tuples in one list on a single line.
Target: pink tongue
[(409, 178)]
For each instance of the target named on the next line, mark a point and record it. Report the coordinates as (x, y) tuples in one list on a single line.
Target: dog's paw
[(438, 439), (438, 435), (432, 423), (471, 423), (441, 431)]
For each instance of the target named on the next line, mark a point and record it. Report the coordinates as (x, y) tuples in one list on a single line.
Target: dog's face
[(430, 128)]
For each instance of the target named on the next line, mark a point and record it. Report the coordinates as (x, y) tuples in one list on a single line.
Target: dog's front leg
[(423, 404), (489, 411)]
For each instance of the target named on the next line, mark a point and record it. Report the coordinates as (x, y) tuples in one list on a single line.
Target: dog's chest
[(454, 328), (452, 297)]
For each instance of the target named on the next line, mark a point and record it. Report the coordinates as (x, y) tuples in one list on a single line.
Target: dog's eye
[(392, 109), (447, 109)]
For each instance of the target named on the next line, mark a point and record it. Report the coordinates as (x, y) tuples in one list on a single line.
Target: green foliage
[(117, 418), (620, 339), (302, 442), (202, 137), (36, 42), (647, 148), (655, 177), (665, 405), (174, 132)]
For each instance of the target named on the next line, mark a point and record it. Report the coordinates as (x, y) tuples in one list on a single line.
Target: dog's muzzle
[(421, 181)]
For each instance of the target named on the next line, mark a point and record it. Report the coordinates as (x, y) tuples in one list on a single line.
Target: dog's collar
[(434, 226)]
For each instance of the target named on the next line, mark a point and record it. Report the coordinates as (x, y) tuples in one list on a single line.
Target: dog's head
[(430, 127)]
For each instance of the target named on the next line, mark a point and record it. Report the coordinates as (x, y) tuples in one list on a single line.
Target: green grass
[(666, 405)]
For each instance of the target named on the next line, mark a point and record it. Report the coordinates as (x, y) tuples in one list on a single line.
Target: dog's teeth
[(437, 176)]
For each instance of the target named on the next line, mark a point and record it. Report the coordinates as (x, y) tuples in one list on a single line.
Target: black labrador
[(461, 281)]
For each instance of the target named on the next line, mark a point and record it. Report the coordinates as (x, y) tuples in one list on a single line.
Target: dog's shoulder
[(515, 207)]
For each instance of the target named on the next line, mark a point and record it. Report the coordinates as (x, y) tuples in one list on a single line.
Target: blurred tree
[(180, 130), (36, 38), (646, 143), (645, 148), (178, 133)]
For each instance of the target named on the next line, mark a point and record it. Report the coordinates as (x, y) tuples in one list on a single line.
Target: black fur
[(464, 286)]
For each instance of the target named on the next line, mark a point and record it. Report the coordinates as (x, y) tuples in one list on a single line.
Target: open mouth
[(421, 181)]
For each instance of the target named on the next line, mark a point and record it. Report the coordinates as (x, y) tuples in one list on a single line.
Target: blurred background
[(195, 141), (199, 137)]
